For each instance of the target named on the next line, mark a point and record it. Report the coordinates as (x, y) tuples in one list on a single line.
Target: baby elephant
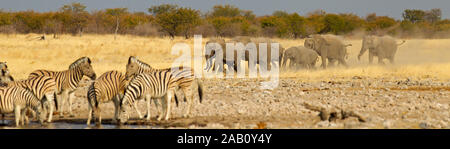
[(300, 56)]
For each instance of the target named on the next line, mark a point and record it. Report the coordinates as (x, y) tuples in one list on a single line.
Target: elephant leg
[(324, 62), (342, 62), (370, 57), (391, 60), (380, 60)]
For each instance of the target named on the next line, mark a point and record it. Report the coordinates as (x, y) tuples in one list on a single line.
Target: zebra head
[(135, 67), (85, 66)]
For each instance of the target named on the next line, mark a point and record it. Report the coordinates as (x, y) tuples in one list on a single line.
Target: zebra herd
[(45, 89)]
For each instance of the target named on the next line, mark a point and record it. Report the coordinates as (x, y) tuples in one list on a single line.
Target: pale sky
[(392, 8)]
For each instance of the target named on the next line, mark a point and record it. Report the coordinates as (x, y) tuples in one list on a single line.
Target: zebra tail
[(55, 101), (200, 91), (176, 100)]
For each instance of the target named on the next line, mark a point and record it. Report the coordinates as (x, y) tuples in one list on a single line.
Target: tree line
[(220, 21)]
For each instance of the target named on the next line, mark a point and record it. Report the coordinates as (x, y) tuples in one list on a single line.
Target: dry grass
[(417, 58)]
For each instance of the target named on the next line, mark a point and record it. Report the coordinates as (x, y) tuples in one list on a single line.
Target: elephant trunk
[(363, 50)]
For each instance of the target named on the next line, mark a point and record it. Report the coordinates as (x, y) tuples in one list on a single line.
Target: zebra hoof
[(61, 116), (71, 115)]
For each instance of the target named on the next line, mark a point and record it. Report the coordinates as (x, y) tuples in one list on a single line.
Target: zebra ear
[(88, 60), (132, 58)]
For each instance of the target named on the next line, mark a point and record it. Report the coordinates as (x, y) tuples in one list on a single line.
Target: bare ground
[(357, 102)]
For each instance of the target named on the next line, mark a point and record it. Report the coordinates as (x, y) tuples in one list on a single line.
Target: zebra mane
[(141, 63), (79, 61)]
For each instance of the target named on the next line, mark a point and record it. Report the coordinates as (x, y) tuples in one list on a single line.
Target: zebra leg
[(163, 107), (50, 106), (137, 110), (71, 96), (170, 94), (98, 111), (90, 113), (147, 100), (116, 101), (64, 97), (189, 95), (17, 115), (26, 121), (157, 105)]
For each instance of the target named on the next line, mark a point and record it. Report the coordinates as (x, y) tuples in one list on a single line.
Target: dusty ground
[(240, 103), (413, 93)]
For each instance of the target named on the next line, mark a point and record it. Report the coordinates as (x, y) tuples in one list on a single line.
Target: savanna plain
[(412, 93)]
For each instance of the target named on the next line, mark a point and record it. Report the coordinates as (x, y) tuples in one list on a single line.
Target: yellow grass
[(24, 53)]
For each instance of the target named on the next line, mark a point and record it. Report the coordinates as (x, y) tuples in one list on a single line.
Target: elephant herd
[(330, 48)]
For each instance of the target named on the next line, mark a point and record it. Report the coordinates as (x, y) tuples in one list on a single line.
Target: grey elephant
[(215, 48), (383, 47), (300, 56), (329, 47), (270, 60)]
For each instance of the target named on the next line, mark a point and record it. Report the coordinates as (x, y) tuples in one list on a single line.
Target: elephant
[(383, 47), (211, 51), (329, 47), (300, 56), (218, 46)]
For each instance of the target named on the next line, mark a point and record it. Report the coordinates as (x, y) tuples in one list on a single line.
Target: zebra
[(67, 81), (5, 72), (43, 87), (16, 100), (109, 86), (186, 84), (156, 85)]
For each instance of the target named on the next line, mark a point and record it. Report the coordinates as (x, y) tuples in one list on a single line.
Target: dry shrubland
[(24, 53)]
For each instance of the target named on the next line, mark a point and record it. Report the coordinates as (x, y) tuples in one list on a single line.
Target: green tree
[(117, 13), (333, 24), (225, 11), (75, 17), (176, 20), (413, 15), (296, 25)]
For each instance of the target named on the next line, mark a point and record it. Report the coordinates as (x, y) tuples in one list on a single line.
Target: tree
[(174, 20), (116, 13), (296, 25), (378, 23), (333, 23), (433, 15), (225, 11), (75, 17), (160, 9), (413, 15)]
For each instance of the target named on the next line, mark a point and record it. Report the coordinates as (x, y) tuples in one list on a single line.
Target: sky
[(392, 8)]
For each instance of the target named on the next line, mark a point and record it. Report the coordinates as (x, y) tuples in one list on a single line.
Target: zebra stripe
[(184, 79), (109, 86), (16, 99), (154, 85), (67, 81), (43, 87)]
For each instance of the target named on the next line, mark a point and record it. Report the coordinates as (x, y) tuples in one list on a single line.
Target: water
[(10, 124)]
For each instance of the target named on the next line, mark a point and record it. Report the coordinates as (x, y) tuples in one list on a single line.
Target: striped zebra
[(67, 81), (43, 87), (187, 84), (152, 85), (16, 100), (109, 86)]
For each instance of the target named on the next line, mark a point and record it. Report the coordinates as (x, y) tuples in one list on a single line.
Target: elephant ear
[(322, 41)]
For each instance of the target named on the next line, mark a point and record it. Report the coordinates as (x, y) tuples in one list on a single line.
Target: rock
[(424, 125)]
